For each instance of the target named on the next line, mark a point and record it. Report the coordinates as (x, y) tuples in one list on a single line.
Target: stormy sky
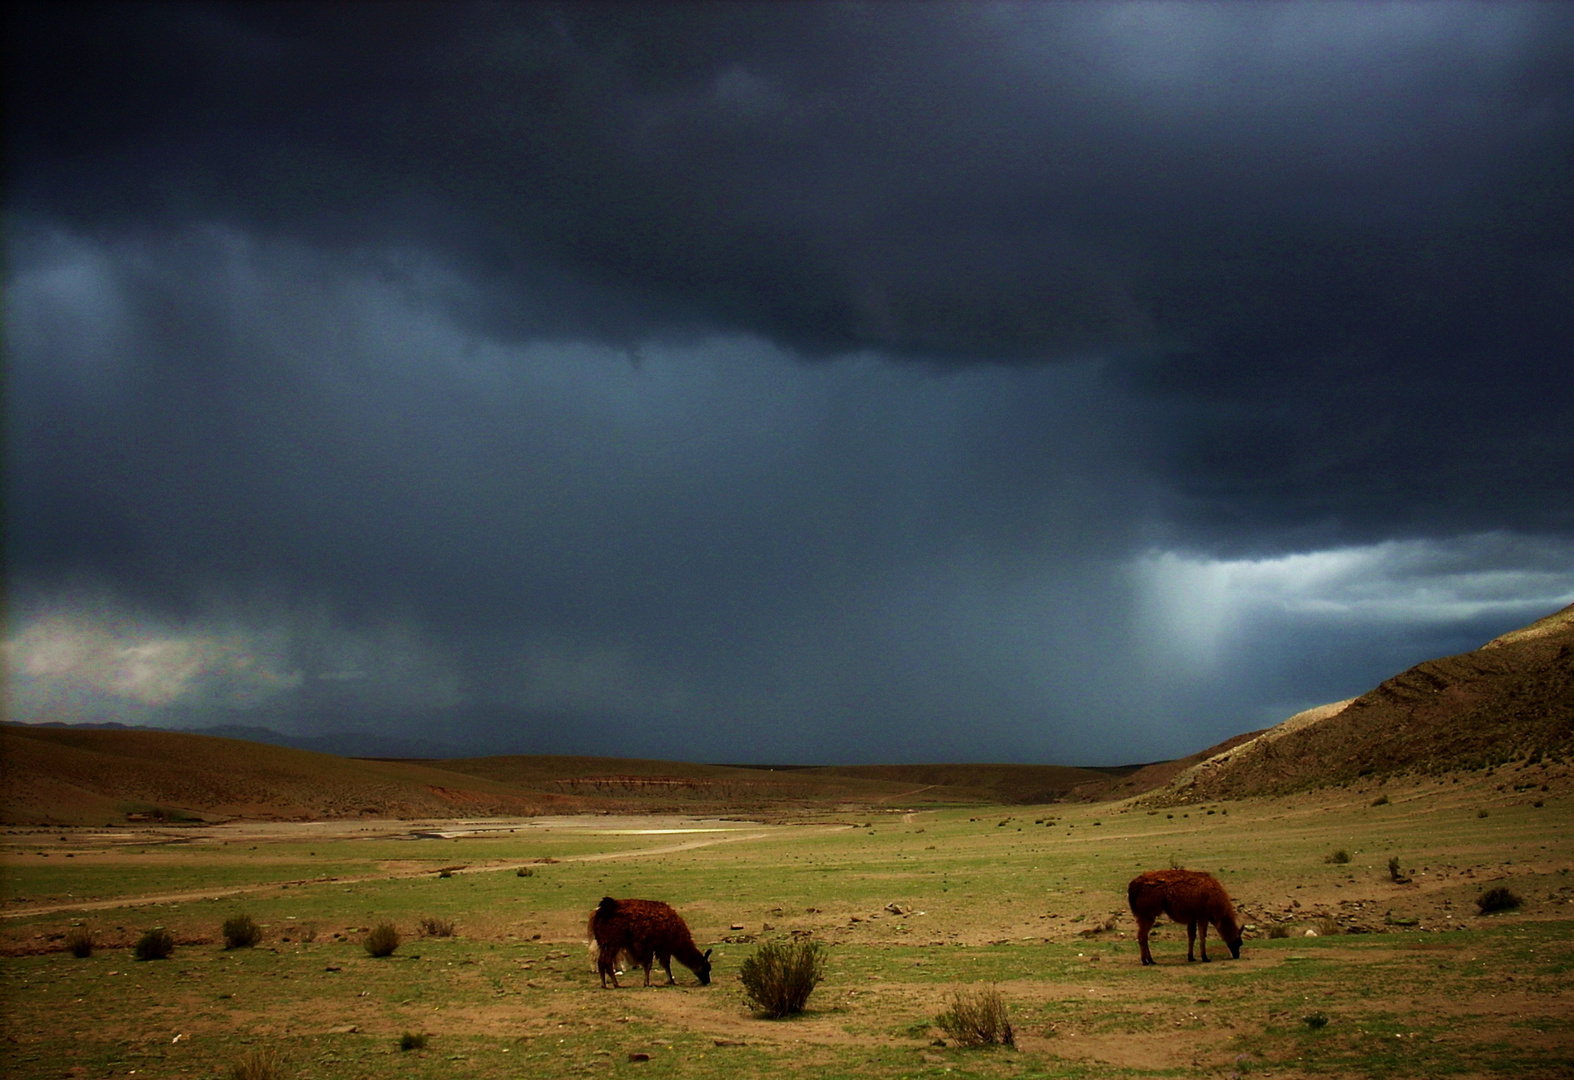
[(779, 383)]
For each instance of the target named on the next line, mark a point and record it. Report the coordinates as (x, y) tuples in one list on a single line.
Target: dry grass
[(381, 940), (780, 976), (241, 932), (977, 1018)]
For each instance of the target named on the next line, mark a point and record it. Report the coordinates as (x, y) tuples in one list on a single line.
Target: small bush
[(381, 940), (1315, 1020), (1329, 927), (412, 1040), (1279, 930), (780, 976), (1339, 857), (156, 944), (432, 926), (1498, 898), (79, 942), (241, 932), (1482, 814), (1381, 800), (525, 871), (977, 1018), (256, 1065)]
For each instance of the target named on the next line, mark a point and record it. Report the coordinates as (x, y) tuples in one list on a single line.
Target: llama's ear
[(707, 954)]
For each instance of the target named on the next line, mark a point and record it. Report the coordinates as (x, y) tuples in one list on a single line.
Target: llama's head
[(1231, 932), (703, 971)]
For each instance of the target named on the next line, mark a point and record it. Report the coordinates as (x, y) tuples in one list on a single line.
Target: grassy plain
[(912, 903)]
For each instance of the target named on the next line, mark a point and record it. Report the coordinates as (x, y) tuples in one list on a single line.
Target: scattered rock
[(639, 1057)]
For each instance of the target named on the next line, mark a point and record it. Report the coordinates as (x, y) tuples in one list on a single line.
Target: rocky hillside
[(1509, 699)]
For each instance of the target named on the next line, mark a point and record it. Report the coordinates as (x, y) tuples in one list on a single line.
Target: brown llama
[(647, 930), (1186, 896)]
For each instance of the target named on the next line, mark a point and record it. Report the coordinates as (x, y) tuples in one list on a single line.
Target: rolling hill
[(1512, 698)]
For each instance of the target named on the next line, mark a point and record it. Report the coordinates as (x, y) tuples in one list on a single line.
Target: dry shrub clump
[(79, 942), (1278, 930), (258, 1064), (1338, 857), (977, 1018), (241, 932), (1498, 898), (381, 940), (412, 1040), (780, 976), (432, 926), (156, 944)]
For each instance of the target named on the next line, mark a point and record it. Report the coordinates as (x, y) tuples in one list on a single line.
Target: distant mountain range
[(1511, 699), (353, 744)]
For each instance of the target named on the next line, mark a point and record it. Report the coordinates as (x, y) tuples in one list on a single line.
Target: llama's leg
[(1202, 944), (1191, 940), (1143, 926), (666, 965)]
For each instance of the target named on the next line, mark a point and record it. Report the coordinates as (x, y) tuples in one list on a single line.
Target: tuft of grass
[(1395, 872), (412, 1040), (977, 1018), (241, 932), (1339, 857), (432, 926), (1279, 930), (1315, 1020), (79, 942), (1498, 898), (381, 940), (1381, 800), (780, 976), (156, 944), (1482, 814), (524, 871), (258, 1064), (445, 873)]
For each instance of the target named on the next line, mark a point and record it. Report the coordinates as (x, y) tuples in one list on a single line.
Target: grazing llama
[(1186, 896), (647, 930)]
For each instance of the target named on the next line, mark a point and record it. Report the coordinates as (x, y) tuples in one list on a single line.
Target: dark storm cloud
[(781, 381), (1333, 242)]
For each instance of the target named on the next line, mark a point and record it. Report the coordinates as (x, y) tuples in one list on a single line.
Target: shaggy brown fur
[(1186, 896), (647, 930)]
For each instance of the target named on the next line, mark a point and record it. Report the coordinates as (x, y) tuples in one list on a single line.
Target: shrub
[(1315, 1020), (1381, 800), (1341, 856), (1481, 813), (412, 1040), (79, 942), (525, 871), (256, 1065), (1279, 930), (241, 932), (432, 926), (977, 1018), (780, 976), (156, 944), (381, 940), (1498, 898)]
